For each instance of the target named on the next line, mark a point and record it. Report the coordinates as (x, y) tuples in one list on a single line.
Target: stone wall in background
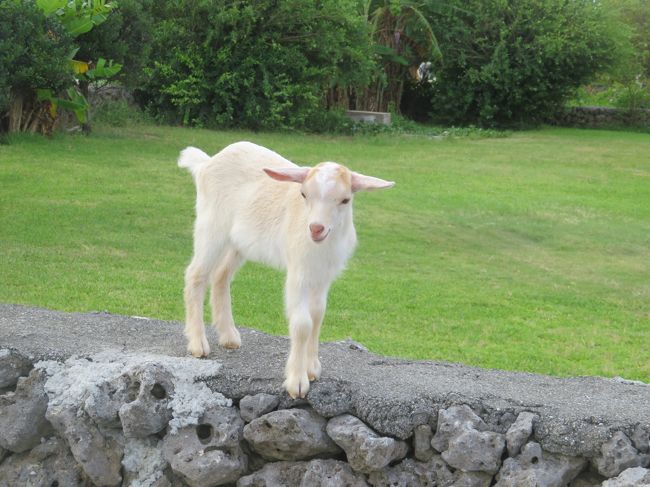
[(137, 419), (595, 117)]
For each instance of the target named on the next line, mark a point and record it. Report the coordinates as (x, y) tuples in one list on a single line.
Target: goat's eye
[(303, 195), (345, 201)]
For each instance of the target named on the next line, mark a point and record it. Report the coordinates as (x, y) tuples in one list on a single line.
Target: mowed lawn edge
[(529, 252)]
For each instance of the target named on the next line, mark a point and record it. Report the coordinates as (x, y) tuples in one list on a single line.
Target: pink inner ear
[(293, 174)]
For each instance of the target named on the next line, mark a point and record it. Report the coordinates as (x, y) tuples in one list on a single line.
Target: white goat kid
[(245, 210)]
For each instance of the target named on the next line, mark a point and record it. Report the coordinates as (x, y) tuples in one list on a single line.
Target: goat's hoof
[(199, 347), (231, 340), (297, 387), (313, 371)]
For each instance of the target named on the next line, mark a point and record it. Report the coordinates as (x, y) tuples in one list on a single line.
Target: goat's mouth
[(320, 237)]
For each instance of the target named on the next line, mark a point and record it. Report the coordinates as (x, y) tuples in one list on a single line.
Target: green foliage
[(77, 16), (33, 52), (260, 64), (516, 63), (125, 38)]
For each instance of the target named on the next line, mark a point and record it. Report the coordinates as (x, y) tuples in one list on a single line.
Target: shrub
[(516, 63), (259, 64)]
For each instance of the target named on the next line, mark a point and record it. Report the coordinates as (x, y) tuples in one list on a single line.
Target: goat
[(246, 209)]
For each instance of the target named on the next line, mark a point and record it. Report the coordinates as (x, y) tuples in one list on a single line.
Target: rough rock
[(22, 414), (535, 468), (641, 439), (290, 434), (331, 473), (209, 453), (104, 403), (618, 454), (143, 463), (252, 407), (48, 464), (99, 453), (452, 422), (12, 366), (475, 451), (519, 432), (315, 473), (366, 451), (471, 479), (276, 474), (422, 436), (631, 477), (410, 473), (149, 412)]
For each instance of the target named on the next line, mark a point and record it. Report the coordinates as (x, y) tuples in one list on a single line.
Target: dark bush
[(34, 54), (516, 63)]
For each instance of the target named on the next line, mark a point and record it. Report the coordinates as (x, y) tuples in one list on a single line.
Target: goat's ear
[(361, 182), (295, 174)]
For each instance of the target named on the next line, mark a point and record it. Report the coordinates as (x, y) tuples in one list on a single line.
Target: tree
[(34, 52), (402, 39)]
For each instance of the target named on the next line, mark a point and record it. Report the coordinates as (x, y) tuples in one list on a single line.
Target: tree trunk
[(15, 113)]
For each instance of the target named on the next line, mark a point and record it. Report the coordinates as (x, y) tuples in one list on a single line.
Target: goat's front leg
[(317, 305), (300, 327)]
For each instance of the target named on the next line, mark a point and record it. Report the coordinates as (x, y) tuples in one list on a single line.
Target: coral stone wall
[(119, 417)]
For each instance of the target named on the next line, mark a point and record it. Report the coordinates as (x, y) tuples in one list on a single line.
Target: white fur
[(244, 214)]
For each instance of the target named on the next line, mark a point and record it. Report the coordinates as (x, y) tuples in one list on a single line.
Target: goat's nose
[(316, 229)]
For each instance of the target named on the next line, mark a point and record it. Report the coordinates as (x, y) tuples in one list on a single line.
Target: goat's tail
[(192, 159)]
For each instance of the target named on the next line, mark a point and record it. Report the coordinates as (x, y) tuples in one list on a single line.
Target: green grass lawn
[(530, 252)]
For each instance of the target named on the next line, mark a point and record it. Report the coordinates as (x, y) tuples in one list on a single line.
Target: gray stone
[(143, 463), (99, 453), (422, 436), (331, 473), (452, 422), (48, 464), (12, 366), (475, 451), (471, 479), (22, 414), (519, 432), (252, 407), (411, 473), (276, 474), (315, 473), (209, 453), (618, 454), (104, 404), (148, 413), (366, 451), (290, 434), (641, 439), (536, 468), (631, 477)]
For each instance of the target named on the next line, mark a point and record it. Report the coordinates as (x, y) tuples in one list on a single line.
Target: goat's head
[(328, 190)]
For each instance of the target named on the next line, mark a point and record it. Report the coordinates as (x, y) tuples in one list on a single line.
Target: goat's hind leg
[(206, 254), (221, 302)]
